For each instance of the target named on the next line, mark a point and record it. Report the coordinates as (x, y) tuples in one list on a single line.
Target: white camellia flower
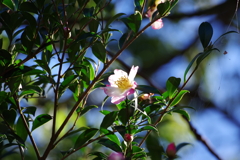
[(121, 85)]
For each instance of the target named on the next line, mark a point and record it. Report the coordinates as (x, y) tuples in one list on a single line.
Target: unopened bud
[(128, 137), (171, 150)]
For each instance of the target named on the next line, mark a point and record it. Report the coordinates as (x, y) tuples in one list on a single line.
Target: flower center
[(123, 83)]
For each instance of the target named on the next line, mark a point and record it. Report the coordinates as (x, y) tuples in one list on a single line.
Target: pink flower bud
[(128, 137), (116, 156), (158, 24), (171, 150)]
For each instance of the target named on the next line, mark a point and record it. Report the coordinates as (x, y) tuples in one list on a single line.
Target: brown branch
[(201, 139)]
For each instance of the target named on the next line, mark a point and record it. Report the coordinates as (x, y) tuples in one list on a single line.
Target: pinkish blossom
[(121, 85), (116, 156), (171, 150), (158, 24), (128, 137)]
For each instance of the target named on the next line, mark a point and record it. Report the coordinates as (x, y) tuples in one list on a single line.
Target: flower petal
[(117, 100), (158, 24), (117, 74), (133, 73), (113, 91)]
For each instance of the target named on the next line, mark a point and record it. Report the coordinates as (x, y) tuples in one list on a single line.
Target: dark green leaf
[(44, 65), (99, 51), (84, 137), (66, 83), (28, 7), (110, 144), (179, 108), (121, 130), (110, 135), (136, 149), (113, 19), (183, 113), (154, 147), (21, 129), (9, 116), (133, 22), (205, 32), (109, 119), (40, 120), (204, 55), (88, 108), (179, 146), (147, 89), (93, 26), (15, 84), (172, 85), (30, 110), (163, 8), (138, 4), (179, 97), (75, 131), (122, 40)]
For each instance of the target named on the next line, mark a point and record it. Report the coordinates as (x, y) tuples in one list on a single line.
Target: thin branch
[(201, 139)]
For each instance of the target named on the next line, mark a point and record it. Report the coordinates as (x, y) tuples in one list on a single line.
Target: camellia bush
[(43, 53)]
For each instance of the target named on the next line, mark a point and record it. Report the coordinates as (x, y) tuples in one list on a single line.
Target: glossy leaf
[(88, 108), (133, 22), (110, 144), (9, 4), (172, 85), (40, 120), (84, 137), (179, 97), (99, 51), (109, 119), (138, 4), (183, 113), (110, 135), (66, 83), (163, 8), (205, 32), (147, 128), (113, 19)]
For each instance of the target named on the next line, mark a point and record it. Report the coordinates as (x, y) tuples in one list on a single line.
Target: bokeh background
[(214, 88)]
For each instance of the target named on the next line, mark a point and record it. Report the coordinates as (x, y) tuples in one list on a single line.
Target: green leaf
[(205, 32), (14, 84), (163, 8), (99, 51), (93, 26), (110, 144), (10, 116), (172, 85), (148, 89), (121, 130), (138, 4), (28, 7), (147, 128), (110, 135), (100, 155), (9, 4), (124, 114), (179, 108), (27, 92), (21, 129), (204, 55), (66, 83), (44, 66), (154, 147), (75, 131), (133, 22), (183, 113), (122, 40), (40, 120), (179, 146), (88, 108), (84, 137), (30, 110), (136, 149), (109, 119), (179, 97), (113, 19)]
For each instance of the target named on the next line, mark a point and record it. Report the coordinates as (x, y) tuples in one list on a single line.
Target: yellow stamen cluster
[(123, 83)]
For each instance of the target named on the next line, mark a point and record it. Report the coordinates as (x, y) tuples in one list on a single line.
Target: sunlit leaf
[(147, 128), (9, 3), (133, 22), (172, 85), (179, 97), (183, 113), (110, 135), (40, 120)]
